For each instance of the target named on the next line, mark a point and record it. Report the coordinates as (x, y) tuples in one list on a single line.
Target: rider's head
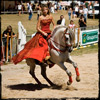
[(45, 10)]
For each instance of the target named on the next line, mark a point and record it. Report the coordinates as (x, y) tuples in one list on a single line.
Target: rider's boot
[(47, 56)]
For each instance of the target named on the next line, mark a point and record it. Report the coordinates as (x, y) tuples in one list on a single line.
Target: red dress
[(37, 47)]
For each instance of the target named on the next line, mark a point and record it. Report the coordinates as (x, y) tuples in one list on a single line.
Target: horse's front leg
[(69, 60), (61, 64)]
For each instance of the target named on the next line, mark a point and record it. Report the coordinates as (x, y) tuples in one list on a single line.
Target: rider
[(37, 47)]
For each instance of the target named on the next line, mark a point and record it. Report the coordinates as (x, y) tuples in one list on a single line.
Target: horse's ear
[(65, 30)]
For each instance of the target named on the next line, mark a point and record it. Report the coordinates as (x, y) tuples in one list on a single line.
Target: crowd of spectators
[(75, 9)]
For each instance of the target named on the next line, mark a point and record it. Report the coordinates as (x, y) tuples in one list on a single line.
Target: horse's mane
[(72, 35), (56, 28)]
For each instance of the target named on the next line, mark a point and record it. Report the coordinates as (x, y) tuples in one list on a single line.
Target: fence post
[(11, 45), (74, 37), (7, 46), (93, 14), (78, 36)]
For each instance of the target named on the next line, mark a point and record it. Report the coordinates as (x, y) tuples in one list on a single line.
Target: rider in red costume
[(37, 47)]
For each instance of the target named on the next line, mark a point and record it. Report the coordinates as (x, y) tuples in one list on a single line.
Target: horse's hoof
[(69, 83), (78, 79)]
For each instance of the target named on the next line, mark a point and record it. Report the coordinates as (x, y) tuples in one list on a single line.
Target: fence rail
[(15, 12)]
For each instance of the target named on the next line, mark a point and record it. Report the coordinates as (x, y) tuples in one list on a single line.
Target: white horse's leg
[(76, 68), (30, 62), (61, 64)]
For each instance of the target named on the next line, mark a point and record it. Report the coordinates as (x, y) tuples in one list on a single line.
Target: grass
[(30, 26), (91, 49)]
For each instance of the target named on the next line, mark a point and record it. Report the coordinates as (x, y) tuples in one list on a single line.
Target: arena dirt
[(18, 83)]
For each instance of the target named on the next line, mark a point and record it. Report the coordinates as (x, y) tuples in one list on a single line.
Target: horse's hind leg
[(31, 63), (43, 73), (76, 68)]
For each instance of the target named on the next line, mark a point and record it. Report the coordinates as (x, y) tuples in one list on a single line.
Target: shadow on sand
[(32, 87)]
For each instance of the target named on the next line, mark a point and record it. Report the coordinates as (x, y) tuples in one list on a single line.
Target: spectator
[(23, 8), (48, 4), (82, 22), (52, 9), (33, 7), (80, 11), (55, 7), (10, 31), (2, 59), (73, 16), (19, 8), (59, 5), (90, 6), (85, 12), (9, 7), (72, 25), (38, 11), (30, 11), (27, 4), (77, 10), (69, 12), (86, 4), (72, 5), (81, 3), (61, 21)]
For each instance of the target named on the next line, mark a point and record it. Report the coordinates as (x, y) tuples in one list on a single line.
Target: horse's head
[(63, 37), (69, 38)]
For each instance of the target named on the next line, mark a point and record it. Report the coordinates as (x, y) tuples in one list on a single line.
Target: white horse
[(60, 46)]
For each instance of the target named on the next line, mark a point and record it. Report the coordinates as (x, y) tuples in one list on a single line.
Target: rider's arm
[(53, 22)]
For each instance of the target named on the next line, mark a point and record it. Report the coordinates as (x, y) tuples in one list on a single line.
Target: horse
[(60, 46)]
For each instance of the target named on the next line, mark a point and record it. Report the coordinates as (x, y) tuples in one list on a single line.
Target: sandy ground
[(18, 83)]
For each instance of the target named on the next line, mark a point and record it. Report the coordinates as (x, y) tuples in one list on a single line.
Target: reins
[(52, 47)]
